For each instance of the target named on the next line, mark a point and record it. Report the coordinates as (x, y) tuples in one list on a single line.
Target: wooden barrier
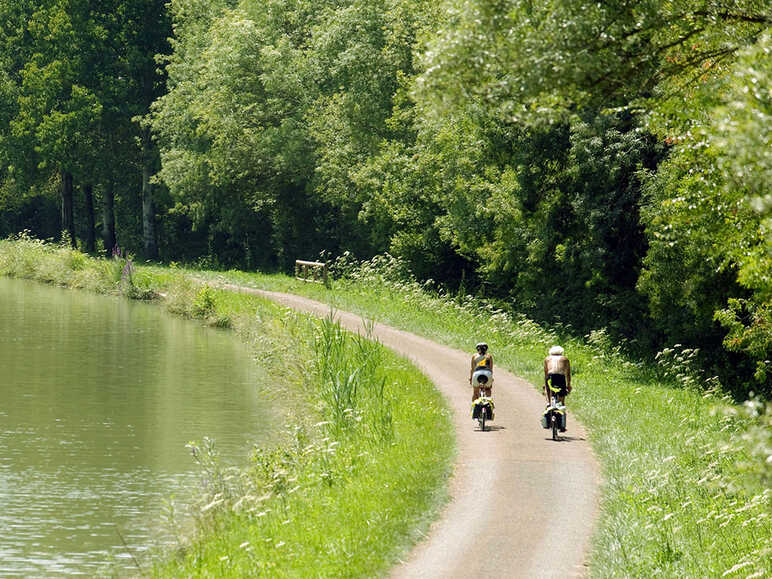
[(315, 271)]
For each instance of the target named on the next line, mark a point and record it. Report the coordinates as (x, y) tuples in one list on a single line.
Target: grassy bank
[(357, 478), (687, 474)]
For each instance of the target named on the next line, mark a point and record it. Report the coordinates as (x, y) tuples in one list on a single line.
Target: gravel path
[(522, 505)]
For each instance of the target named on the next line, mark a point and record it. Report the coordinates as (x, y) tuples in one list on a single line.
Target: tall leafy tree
[(19, 171), (226, 146), (567, 52), (81, 72), (710, 258), (673, 64), (145, 26), (57, 116), (287, 99)]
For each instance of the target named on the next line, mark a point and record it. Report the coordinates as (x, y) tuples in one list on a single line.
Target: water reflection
[(99, 397)]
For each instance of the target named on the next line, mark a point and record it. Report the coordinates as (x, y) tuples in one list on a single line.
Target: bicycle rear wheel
[(554, 419)]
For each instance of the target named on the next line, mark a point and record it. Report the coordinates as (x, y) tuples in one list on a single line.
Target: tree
[(673, 65), (143, 38), (80, 73), (215, 129), (244, 129), (710, 258), (56, 116), (525, 56)]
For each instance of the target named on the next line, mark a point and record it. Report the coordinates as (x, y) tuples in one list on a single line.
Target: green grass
[(687, 474), (350, 490)]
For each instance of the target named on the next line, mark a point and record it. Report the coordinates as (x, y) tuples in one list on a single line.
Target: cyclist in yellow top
[(481, 372)]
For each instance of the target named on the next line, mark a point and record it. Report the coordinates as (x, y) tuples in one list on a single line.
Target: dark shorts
[(558, 381)]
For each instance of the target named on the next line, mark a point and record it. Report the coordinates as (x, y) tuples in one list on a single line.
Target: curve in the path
[(521, 505)]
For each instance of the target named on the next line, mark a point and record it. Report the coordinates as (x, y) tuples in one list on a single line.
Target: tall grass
[(687, 473), (348, 492), (28, 258)]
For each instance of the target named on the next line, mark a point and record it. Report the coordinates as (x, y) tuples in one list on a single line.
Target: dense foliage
[(605, 165), (75, 81)]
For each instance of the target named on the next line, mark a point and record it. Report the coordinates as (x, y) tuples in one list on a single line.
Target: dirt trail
[(521, 504)]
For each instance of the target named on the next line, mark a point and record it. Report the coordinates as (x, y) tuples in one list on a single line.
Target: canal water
[(98, 398)]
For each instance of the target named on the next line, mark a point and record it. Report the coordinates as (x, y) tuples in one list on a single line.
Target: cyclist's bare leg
[(562, 400)]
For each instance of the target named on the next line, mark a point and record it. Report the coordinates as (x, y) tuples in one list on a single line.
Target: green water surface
[(98, 397)]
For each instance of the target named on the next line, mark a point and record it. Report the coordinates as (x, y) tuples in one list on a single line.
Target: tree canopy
[(605, 165)]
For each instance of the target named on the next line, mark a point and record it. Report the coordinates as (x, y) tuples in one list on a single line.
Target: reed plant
[(59, 264)]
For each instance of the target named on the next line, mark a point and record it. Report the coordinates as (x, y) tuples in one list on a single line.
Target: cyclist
[(557, 371), (481, 372)]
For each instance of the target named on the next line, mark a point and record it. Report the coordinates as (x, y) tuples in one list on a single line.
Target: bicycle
[(554, 416), (482, 407)]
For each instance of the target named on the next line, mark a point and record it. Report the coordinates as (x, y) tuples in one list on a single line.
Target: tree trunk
[(108, 220), (148, 208), (88, 193), (68, 217)]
